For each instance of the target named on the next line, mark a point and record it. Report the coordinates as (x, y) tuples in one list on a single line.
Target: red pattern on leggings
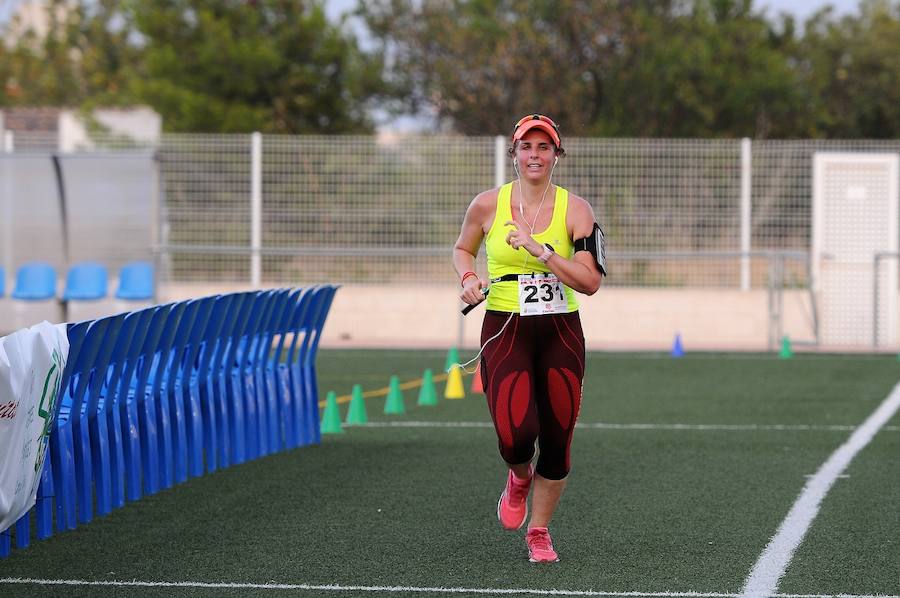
[(532, 376)]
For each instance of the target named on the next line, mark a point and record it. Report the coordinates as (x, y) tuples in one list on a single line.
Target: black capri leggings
[(532, 375)]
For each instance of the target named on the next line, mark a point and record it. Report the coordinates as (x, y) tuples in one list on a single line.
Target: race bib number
[(541, 294)]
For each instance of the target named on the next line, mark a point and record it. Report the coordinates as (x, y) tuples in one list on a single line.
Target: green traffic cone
[(357, 412), (394, 402), (427, 394), (452, 357), (786, 351), (331, 417)]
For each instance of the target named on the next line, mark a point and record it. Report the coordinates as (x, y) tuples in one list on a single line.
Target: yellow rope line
[(382, 392)]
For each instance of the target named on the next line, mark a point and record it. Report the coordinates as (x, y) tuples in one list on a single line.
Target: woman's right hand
[(471, 293)]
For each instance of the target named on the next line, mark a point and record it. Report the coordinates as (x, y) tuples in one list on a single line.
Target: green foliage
[(625, 68), (271, 66), (852, 71), (690, 68), (714, 72), (205, 65)]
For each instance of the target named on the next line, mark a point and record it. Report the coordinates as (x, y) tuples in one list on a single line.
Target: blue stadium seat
[(86, 281), (35, 281), (136, 282)]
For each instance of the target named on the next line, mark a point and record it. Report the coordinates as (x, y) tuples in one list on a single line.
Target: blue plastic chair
[(146, 406), (203, 384), (155, 391), (289, 405), (270, 425), (173, 393), (44, 503), (89, 431), (305, 388), (86, 281), (109, 409), (230, 392), (316, 321), (104, 446), (73, 414), (43, 509), (266, 371), (187, 385), (293, 371), (35, 281), (136, 282), (244, 386), (62, 451), (212, 391), (129, 419), (2, 281)]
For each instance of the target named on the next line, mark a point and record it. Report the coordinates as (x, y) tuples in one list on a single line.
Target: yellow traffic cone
[(455, 388)]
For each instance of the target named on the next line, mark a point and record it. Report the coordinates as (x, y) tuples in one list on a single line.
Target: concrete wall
[(613, 319)]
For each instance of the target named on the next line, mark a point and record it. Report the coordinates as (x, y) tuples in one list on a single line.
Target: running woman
[(543, 246)]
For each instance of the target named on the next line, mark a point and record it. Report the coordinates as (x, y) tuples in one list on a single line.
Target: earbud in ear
[(555, 160)]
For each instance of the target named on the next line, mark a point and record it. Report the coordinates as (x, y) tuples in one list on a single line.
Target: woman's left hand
[(516, 238)]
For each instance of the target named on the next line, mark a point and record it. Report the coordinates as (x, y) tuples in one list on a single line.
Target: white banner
[(31, 365)]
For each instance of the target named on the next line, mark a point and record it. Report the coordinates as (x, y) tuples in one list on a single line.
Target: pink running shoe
[(512, 508), (540, 547)]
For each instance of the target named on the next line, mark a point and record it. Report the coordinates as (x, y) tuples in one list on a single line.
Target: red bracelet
[(462, 281)]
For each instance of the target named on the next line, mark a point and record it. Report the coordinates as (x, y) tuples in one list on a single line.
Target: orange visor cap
[(537, 123)]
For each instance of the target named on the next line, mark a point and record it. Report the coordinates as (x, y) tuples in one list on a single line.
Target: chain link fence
[(387, 209)]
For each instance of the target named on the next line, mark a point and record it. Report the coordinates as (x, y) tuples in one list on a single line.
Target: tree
[(478, 64), (717, 70), (266, 65), (852, 70), (276, 66), (39, 70), (676, 68)]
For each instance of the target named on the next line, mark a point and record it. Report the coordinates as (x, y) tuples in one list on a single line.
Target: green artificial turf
[(659, 508)]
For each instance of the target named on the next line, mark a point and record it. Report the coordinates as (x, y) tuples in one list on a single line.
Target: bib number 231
[(540, 295)]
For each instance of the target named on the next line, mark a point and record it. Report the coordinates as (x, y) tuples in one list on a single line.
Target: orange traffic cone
[(477, 384)]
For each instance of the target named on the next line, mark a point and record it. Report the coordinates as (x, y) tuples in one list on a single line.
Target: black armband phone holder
[(595, 243)]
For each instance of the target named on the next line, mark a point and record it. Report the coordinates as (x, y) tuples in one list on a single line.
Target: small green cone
[(786, 351), (427, 394), (452, 357), (331, 417), (394, 403), (357, 412)]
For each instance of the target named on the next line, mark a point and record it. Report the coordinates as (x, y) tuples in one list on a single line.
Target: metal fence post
[(746, 196), (158, 239), (255, 209), (499, 160), (8, 147)]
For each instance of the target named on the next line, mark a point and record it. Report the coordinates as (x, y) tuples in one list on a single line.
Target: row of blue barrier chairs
[(150, 398), (85, 281)]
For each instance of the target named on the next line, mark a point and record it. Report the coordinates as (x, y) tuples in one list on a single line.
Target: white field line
[(766, 573), (395, 589), (611, 426)]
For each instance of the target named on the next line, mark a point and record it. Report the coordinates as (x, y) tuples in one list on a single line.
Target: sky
[(799, 8)]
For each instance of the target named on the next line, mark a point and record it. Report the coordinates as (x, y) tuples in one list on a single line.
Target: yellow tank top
[(503, 259)]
